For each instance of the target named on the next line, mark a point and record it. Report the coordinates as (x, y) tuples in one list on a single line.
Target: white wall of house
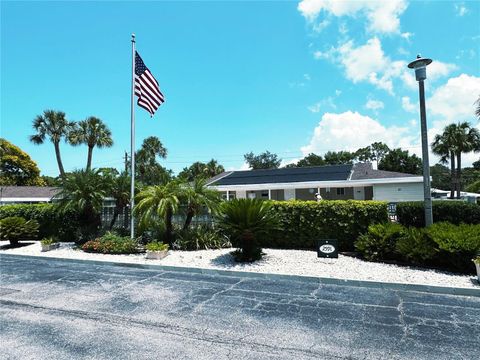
[(398, 192), (241, 194)]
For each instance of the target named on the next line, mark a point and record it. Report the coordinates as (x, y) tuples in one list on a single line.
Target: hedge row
[(443, 245), (63, 226), (455, 212), (303, 222)]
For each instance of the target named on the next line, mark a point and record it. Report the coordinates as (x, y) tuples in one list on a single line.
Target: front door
[(359, 193)]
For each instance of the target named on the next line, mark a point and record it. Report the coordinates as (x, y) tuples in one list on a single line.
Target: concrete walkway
[(58, 309)]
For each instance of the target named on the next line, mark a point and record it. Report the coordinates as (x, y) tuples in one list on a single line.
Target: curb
[(434, 289)]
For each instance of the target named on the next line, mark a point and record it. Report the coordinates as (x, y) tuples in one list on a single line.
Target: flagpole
[(132, 144)]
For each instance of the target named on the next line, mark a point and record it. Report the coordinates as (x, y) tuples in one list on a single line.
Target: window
[(265, 194), (340, 191)]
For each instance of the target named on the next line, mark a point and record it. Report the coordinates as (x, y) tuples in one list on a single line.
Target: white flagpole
[(132, 143)]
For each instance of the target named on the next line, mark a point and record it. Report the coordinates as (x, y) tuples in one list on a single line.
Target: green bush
[(457, 244), (245, 222), (455, 212), (156, 246), (416, 246), (111, 243), (200, 238), (444, 245), (16, 228), (303, 222), (380, 241), (63, 226)]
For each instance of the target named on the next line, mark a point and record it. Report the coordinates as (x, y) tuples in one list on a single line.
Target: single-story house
[(26, 194), (334, 182)]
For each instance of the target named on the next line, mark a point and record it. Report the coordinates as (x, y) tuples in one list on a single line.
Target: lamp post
[(420, 65)]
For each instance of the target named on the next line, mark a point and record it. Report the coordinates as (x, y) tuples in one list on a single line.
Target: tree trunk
[(116, 211), (459, 174), (59, 159), (188, 219), (168, 226), (453, 175), (89, 157)]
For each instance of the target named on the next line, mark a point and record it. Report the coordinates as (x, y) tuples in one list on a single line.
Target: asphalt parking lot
[(59, 309)]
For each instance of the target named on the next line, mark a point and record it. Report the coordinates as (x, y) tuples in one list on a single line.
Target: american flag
[(146, 87)]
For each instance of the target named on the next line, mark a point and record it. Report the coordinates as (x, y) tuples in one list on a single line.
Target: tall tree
[(148, 170), (310, 160), (467, 139), (93, 133), (265, 160), (201, 170), (477, 108), (339, 157), (54, 126), (373, 152), (441, 176), (401, 161), (213, 168), (16, 166), (443, 145)]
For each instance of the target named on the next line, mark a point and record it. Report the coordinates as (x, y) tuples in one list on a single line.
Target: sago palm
[(245, 222), (52, 125), (93, 133), (196, 196), (159, 203)]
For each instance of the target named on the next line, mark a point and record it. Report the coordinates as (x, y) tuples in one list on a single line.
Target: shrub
[(200, 238), (111, 243), (156, 246), (16, 228), (48, 241), (457, 244), (416, 246), (455, 212), (379, 242), (303, 222), (64, 226), (245, 222)]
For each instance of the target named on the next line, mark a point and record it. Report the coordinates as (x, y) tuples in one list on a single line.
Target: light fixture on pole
[(420, 67)]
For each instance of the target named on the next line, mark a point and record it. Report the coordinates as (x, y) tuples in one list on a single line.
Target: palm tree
[(197, 196), (213, 168), (477, 108), (84, 191), (159, 203), (92, 132), (443, 145), (120, 191), (54, 126), (245, 222), (467, 139)]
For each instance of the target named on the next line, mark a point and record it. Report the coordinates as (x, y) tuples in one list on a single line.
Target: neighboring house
[(26, 194), (335, 182), (464, 196)]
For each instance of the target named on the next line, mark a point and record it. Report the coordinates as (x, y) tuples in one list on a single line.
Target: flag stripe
[(146, 87)]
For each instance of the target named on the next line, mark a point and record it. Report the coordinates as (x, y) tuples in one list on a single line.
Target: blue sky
[(289, 77)]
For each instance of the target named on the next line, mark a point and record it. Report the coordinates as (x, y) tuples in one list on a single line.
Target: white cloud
[(455, 100), (338, 92), (351, 131), (374, 104), (406, 35), (382, 16), (327, 102), (461, 9), (307, 77), (408, 106)]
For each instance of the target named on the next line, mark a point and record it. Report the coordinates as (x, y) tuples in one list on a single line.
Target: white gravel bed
[(288, 262)]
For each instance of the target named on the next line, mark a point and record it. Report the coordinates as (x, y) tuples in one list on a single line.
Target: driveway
[(59, 309)]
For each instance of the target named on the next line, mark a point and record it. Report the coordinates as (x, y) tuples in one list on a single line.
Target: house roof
[(359, 172), (27, 192), (363, 171), (284, 175)]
